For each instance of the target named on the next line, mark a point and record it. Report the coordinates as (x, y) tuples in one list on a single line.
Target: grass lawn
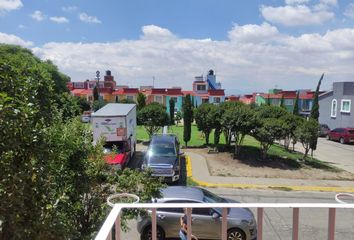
[(250, 148)]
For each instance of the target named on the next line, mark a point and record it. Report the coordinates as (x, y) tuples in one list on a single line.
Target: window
[(334, 108), (288, 102), (205, 100), (345, 106), (306, 105), (201, 87), (158, 99), (216, 100), (174, 99), (130, 98)]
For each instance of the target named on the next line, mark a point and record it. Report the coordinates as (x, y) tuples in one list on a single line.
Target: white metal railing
[(114, 216)]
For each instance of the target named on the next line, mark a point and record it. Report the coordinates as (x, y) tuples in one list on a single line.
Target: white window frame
[(217, 98), (289, 102), (158, 97), (130, 97), (341, 105), (334, 110)]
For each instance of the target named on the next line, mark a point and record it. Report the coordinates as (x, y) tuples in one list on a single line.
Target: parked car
[(323, 130), (117, 154), (163, 157), (241, 224), (343, 135)]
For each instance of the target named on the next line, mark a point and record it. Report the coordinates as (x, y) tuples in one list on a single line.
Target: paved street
[(340, 155), (278, 222)]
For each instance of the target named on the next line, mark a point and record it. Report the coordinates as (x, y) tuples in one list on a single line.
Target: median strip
[(263, 186)]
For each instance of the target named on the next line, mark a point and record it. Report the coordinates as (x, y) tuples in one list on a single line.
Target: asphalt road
[(339, 155)]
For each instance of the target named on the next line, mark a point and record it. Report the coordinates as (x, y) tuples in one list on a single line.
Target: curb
[(260, 186)]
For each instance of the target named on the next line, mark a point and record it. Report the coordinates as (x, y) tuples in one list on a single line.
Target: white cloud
[(69, 9), (253, 33), (38, 16), (59, 19), (88, 19), (299, 15), (349, 11), (9, 5), (12, 39), (255, 58), (294, 2), (155, 32)]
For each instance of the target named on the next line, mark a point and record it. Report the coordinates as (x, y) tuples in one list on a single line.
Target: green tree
[(315, 113), (306, 133), (153, 116), (68, 106), (126, 101), (226, 128), (187, 119), (267, 131), (178, 117), (172, 111), (269, 126), (296, 105), (98, 104), (141, 101), (83, 104), (240, 119), (96, 94), (282, 102), (205, 119)]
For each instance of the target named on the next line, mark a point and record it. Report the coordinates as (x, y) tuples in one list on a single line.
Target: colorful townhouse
[(176, 95), (336, 109), (274, 97), (205, 90)]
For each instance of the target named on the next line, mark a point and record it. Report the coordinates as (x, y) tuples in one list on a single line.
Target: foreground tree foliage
[(53, 181), (153, 116)]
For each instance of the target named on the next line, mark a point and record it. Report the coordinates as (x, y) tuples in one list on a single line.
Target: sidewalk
[(198, 171)]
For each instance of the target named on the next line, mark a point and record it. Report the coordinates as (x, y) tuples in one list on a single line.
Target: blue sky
[(252, 45)]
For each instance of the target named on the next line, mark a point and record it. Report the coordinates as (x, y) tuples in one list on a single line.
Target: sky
[(252, 45)]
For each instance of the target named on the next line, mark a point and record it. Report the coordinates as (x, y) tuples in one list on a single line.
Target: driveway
[(339, 155)]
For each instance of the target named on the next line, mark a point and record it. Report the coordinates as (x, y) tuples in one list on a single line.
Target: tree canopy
[(153, 116)]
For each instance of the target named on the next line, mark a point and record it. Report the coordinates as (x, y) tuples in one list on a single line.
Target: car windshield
[(113, 147), (212, 198), (162, 150)]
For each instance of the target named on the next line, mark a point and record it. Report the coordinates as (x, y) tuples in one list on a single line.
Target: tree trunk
[(207, 134)]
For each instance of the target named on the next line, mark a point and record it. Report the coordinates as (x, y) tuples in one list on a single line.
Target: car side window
[(202, 211), (172, 210)]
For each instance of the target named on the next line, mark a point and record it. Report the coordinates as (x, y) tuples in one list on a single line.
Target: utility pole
[(153, 81)]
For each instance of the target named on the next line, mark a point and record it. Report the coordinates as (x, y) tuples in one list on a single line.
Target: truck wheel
[(341, 140)]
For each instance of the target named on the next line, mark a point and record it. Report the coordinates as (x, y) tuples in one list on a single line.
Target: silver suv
[(206, 221)]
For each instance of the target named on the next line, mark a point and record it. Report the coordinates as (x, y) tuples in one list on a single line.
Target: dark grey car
[(206, 222), (163, 157)]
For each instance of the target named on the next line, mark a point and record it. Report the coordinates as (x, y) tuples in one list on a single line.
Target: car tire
[(341, 140), (147, 234), (236, 234)]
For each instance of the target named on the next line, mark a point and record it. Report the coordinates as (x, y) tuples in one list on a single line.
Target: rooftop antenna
[(153, 81)]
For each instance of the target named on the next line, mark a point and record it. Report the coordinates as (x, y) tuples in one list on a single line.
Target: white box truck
[(116, 124)]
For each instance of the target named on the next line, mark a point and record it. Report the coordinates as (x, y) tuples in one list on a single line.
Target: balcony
[(113, 220)]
